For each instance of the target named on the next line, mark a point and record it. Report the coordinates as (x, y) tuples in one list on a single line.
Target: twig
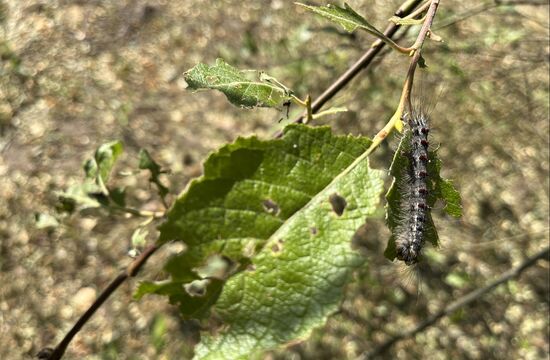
[(487, 6), (362, 63), (130, 271), (461, 302), (405, 100), (139, 213)]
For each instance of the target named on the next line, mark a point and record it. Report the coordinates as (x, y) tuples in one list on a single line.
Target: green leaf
[(104, 158), (346, 17), (82, 196), (118, 196), (93, 192), (282, 213), (45, 221), (438, 189), (139, 237), (239, 88), (146, 162)]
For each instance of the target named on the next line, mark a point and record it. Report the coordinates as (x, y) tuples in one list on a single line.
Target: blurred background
[(76, 74)]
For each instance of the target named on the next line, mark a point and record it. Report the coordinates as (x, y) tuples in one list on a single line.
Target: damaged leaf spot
[(197, 288), (277, 246), (313, 230), (271, 207), (217, 267), (338, 203)]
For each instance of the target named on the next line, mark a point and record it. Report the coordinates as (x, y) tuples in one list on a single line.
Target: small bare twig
[(395, 120), (405, 9), (130, 271), (461, 302)]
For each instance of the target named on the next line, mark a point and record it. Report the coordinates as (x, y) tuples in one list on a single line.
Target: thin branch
[(130, 271), (405, 100), (360, 64), (487, 6), (461, 302)]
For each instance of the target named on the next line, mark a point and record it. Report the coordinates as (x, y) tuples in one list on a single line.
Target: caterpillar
[(414, 208)]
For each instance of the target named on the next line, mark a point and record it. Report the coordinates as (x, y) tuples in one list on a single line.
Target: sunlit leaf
[(239, 87), (267, 208)]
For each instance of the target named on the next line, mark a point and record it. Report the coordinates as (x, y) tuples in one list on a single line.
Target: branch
[(130, 271), (461, 302), (395, 120), (365, 60)]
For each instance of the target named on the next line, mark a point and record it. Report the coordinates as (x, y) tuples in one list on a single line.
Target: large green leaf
[(282, 214), (438, 189), (238, 86)]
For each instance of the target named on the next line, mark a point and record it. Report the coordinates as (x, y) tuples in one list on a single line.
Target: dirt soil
[(76, 74)]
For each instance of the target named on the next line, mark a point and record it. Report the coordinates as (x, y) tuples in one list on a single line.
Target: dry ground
[(75, 74)]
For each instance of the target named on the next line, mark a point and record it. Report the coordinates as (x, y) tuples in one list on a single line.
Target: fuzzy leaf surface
[(346, 17), (267, 208), (238, 86), (438, 189)]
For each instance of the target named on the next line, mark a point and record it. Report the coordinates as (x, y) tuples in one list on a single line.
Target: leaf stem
[(405, 100), (130, 271), (140, 213)]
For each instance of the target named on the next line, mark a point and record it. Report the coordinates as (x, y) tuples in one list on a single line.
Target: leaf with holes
[(239, 87), (271, 221)]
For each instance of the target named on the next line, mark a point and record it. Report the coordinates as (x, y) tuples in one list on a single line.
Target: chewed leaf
[(238, 87), (93, 192), (104, 159), (438, 189), (345, 17), (254, 209), (445, 190)]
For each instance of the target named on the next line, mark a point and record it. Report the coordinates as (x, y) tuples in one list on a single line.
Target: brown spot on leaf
[(271, 207), (313, 230), (277, 246), (338, 203)]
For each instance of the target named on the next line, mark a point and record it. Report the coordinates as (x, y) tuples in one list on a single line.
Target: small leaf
[(139, 237), (82, 196), (347, 18), (239, 89), (92, 192), (438, 189), (118, 196), (105, 157), (158, 332), (45, 221), (147, 162), (422, 62), (401, 21)]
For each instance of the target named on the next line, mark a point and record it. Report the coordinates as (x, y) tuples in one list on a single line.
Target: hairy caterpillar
[(414, 207)]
